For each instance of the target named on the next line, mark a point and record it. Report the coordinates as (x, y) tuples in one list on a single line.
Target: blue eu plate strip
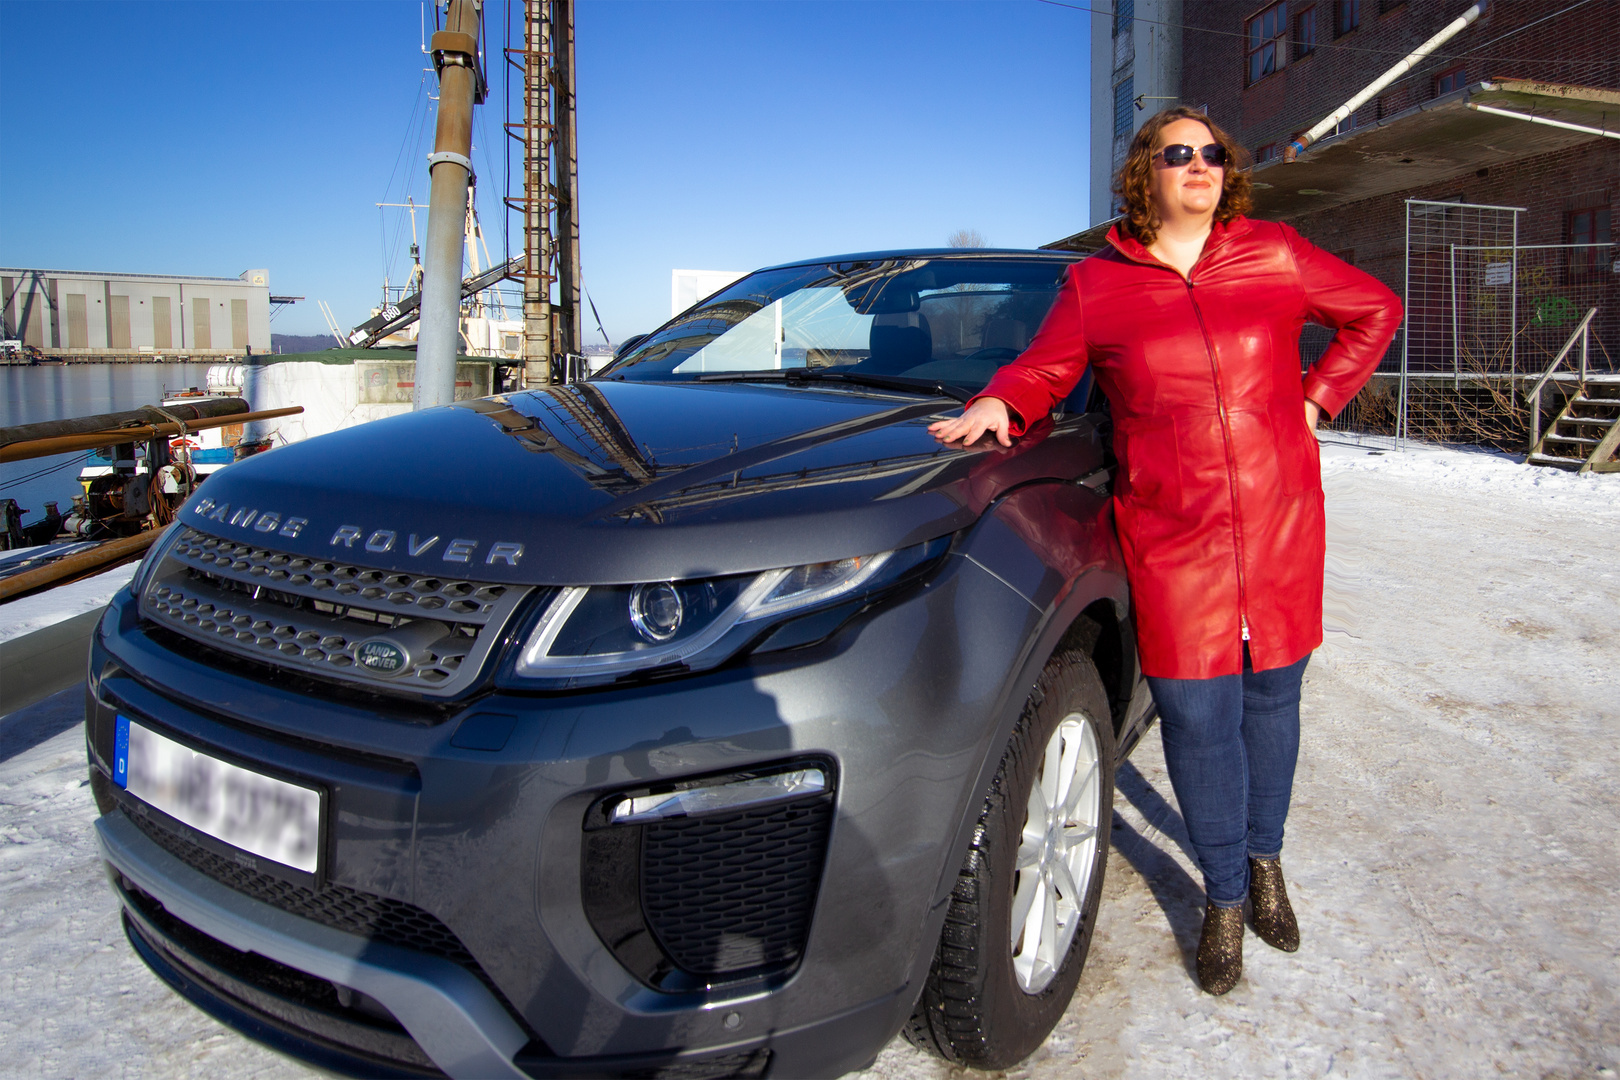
[(121, 752)]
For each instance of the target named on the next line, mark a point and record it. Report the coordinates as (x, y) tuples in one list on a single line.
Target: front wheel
[(1025, 902)]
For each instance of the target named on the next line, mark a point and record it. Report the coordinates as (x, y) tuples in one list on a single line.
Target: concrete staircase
[(1585, 434)]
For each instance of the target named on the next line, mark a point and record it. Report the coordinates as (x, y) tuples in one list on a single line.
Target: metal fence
[(1557, 284), (1482, 311)]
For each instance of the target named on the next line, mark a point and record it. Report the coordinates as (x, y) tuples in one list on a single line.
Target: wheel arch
[(1084, 604)]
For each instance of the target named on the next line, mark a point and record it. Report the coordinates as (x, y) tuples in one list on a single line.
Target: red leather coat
[(1218, 501)]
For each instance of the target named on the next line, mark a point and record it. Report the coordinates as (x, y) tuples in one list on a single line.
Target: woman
[(1190, 318)]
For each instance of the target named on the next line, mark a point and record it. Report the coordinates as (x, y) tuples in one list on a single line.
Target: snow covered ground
[(1452, 852), (56, 605)]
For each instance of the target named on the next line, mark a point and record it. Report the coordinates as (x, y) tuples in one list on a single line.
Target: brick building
[(1452, 129)]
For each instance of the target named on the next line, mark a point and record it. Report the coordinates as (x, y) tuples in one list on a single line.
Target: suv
[(703, 718)]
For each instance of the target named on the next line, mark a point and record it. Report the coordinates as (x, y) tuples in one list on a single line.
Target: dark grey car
[(706, 718)]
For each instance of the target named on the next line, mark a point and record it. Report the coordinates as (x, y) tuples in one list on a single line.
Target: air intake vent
[(719, 896)]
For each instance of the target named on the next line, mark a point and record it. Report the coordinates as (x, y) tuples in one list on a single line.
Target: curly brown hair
[(1131, 185)]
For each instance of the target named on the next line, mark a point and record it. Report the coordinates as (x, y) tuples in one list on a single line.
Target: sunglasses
[(1178, 154)]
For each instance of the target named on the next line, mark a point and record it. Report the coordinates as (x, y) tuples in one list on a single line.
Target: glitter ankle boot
[(1268, 899), (1220, 949)]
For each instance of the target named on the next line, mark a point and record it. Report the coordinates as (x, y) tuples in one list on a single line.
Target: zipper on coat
[(1231, 458)]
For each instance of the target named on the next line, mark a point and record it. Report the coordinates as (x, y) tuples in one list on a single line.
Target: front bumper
[(455, 1020), (489, 842)]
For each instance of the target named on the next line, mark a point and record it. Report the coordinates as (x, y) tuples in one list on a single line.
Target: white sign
[(1499, 273)]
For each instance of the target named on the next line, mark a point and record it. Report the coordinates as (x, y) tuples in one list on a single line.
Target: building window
[(1267, 32), (1348, 255), (1123, 98), (1304, 32), (1124, 15), (1454, 78), (1589, 226), (1346, 16), (1266, 153)]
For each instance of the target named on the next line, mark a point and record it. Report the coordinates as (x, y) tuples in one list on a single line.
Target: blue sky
[(208, 138)]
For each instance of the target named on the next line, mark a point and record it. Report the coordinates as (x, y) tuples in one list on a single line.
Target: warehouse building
[(71, 315)]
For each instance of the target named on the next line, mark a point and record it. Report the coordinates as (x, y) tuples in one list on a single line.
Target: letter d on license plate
[(260, 814)]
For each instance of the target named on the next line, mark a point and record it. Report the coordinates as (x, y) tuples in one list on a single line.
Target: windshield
[(948, 320)]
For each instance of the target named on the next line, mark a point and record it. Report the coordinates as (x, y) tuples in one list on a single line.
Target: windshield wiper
[(857, 378)]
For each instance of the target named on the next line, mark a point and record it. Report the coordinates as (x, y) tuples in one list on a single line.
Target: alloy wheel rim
[(1056, 853)]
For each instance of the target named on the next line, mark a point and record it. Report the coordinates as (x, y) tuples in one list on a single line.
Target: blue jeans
[(1230, 744)]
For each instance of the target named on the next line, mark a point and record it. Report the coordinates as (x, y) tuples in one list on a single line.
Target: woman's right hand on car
[(985, 414)]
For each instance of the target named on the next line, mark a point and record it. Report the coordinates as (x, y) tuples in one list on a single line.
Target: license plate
[(259, 814)]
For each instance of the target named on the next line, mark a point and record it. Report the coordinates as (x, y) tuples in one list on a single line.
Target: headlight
[(154, 555), (611, 630)]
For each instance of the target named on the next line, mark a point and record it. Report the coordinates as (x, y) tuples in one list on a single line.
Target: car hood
[(614, 482)]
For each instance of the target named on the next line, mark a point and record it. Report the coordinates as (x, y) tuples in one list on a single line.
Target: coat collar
[(1219, 235)]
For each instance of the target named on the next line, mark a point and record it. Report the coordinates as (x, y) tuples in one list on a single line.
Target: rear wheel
[(1025, 902)]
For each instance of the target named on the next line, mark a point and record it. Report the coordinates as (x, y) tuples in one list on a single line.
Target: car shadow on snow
[(31, 725), (1178, 894)]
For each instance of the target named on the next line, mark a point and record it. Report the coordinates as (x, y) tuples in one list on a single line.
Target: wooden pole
[(146, 414), (72, 566)]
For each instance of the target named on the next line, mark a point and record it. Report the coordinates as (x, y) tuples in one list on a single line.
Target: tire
[(990, 1000)]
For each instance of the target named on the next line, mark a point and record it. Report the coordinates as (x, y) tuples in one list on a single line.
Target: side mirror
[(627, 344)]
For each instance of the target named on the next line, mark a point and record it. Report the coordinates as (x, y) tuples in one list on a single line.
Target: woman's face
[(1190, 190)]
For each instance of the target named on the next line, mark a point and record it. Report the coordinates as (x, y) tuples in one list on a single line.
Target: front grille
[(376, 918), (735, 891), (314, 615)]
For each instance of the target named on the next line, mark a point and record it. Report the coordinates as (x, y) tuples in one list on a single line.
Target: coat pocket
[(1299, 458), (1150, 458)]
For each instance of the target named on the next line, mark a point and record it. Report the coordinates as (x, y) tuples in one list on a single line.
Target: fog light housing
[(732, 794)]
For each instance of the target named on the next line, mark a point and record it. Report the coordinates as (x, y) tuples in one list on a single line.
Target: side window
[(1123, 99), (1589, 227), (1346, 16), (1124, 15), (1453, 78), (1304, 32), (1266, 42), (1080, 398)]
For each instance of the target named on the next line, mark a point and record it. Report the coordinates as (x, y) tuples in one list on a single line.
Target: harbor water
[(61, 391)]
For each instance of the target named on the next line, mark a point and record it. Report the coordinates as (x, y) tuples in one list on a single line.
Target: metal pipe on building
[(1337, 116), (461, 86), (1545, 120)]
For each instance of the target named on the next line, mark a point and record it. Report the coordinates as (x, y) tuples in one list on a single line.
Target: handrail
[(1534, 395), (1559, 359)]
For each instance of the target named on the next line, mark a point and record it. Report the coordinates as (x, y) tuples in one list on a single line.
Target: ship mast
[(551, 328)]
